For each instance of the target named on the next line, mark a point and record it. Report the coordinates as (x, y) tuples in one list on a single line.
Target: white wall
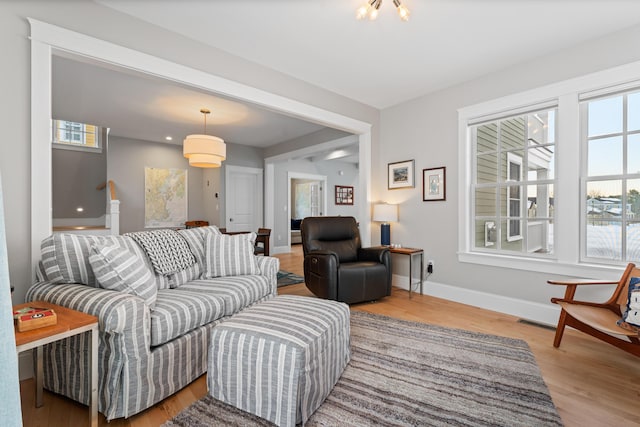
[(124, 30), (425, 129)]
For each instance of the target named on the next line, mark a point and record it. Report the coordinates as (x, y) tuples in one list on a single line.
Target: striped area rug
[(413, 374)]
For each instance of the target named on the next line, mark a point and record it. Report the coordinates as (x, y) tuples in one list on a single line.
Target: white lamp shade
[(208, 145), (385, 213), (205, 161)]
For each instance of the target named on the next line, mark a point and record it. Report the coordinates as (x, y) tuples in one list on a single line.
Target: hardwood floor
[(591, 382)]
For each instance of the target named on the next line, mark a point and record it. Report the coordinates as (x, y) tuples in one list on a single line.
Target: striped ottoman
[(280, 358)]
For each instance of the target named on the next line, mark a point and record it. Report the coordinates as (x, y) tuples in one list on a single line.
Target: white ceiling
[(385, 62), (143, 107)]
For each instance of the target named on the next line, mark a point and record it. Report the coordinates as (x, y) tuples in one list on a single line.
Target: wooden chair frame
[(598, 319)]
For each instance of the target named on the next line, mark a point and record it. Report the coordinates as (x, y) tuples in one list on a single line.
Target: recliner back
[(339, 234)]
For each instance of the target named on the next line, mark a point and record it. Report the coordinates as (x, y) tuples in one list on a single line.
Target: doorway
[(307, 197), (46, 39)]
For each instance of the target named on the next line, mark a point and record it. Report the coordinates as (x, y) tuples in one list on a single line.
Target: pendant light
[(204, 151)]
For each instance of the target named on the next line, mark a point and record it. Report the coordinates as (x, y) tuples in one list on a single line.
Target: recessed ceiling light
[(79, 209), (168, 138)]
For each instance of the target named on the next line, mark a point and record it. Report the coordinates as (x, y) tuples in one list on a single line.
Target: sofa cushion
[(195, 240), (120, 269), (65, 257), (178, 311), (230, 255), (237, 292), (167, 250)]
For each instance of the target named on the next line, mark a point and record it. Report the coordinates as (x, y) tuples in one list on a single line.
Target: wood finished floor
[(591, 382)]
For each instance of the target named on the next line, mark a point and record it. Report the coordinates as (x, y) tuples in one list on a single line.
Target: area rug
[(412, 374), (285, 278)]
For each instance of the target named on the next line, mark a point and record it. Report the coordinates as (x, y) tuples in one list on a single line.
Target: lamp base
[(385, 234)]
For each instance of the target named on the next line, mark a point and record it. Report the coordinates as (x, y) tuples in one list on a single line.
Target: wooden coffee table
[(70, 323)]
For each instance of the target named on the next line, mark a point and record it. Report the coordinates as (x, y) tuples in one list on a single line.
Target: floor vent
[(539, 325)]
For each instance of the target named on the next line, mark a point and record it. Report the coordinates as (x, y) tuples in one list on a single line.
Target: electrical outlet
[(430, 266)]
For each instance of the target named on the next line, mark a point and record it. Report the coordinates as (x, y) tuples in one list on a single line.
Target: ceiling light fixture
[(371, 8), (204, 151)]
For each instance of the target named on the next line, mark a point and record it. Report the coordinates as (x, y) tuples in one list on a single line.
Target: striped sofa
[(145, 354)]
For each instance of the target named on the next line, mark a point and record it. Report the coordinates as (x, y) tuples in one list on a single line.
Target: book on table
[(29, 318)]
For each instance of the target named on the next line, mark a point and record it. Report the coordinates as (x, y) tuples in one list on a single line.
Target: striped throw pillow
[(230, 255), (119, 269), (632, 313)]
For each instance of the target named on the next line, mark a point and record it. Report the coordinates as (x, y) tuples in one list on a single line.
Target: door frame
[(228, 169), (298, 175)]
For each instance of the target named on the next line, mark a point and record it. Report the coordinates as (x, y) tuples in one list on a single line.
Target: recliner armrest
[(325, 254), (375, 254), (321, 273)]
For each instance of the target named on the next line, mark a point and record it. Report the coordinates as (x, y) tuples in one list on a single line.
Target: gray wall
[(75, 175), (425, 129), (123, 30), (126, 162)]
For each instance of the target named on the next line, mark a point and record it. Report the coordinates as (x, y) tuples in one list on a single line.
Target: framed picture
[(401, 175), (344, 195), (434, 184)]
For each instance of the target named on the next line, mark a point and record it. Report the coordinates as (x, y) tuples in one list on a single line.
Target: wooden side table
[(70, 323), (411, 252)]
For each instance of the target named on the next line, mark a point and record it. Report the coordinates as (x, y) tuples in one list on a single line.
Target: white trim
[(25, 365), (568, 187), (45, 36), (517, 160), (41, 184), (362, 198), (298, 175), (76, 147), (546, 314), (280, 250)]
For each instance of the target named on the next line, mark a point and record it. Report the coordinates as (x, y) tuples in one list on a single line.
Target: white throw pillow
[(119, 269), (230, 255)]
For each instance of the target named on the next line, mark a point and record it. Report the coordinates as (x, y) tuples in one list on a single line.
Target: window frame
[(624, 176), (514, 159), (67, 144), (566, 95)]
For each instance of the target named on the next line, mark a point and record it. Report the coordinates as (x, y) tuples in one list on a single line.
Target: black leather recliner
[(336, 267)]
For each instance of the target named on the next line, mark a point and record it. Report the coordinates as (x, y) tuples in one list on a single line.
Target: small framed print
[(401, 175), (434, 184), (344, 195)]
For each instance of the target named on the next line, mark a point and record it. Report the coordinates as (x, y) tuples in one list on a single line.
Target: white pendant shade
[(204, 151)]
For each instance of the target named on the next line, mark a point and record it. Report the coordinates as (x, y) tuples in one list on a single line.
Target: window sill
[(69, 147), (550, 266)]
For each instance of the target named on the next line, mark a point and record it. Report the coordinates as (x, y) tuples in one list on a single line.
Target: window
[(549, 178), (78, 135), (611, 176), (513, 209)]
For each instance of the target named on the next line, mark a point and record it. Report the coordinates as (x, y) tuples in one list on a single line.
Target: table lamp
[(385, 213)]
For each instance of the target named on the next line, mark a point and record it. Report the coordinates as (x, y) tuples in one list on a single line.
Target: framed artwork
[(434, 184), (401, 175), (344, 195)]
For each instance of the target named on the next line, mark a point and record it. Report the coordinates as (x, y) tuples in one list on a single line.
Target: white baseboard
[(25, 365), (279, 250), (537, 312)]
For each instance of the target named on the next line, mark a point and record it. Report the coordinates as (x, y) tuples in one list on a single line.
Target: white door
[(243, 201)]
